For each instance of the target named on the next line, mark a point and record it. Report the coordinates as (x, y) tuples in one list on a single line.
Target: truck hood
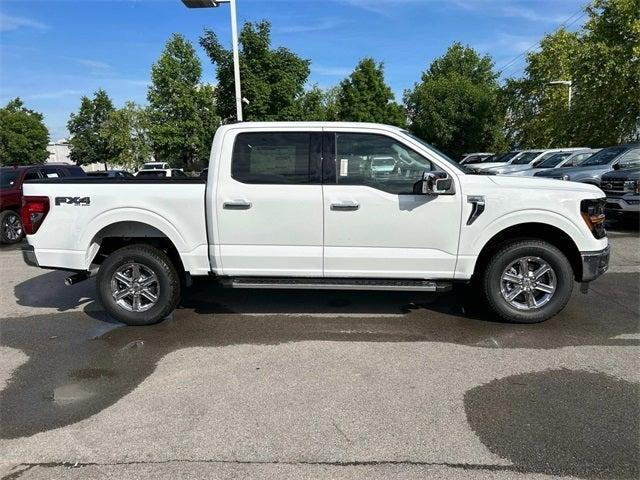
[(537, 183), (526, 173), (573, 170), (628, 174)]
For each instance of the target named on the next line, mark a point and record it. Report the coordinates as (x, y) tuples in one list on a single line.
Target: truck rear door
[(269, 203)]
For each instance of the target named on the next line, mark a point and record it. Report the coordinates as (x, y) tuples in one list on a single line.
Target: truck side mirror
[(434, 183), (616, 166)]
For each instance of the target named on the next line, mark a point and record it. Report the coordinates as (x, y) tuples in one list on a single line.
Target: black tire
[(167, 278), (491, 281), (9, 221)]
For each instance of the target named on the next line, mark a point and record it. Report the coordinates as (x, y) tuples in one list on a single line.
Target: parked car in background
[(529, 160), (622, 187), (501, 159), (475, 158), (11, 180), (204, 174), (110, 174), (155, 166), (281, 213), (160, 173), (592, 169), (557, 160)]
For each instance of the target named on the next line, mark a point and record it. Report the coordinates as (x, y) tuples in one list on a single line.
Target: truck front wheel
[(527, 281), (138, 285)]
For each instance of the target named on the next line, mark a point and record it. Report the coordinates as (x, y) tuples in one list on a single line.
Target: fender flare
[(87, 241)]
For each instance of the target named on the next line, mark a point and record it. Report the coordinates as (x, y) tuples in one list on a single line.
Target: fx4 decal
[(77, 201)]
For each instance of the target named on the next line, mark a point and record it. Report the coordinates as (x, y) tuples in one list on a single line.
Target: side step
[(409, 285)]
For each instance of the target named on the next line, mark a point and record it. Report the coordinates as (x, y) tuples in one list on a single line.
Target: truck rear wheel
[(11, 230), (138, 285), (527, 281)]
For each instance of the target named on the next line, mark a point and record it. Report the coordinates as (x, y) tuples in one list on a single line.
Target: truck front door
[(375, 226)]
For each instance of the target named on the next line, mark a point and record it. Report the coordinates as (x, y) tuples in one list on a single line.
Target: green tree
[(456, 106), (318, 105), (272, 80), (23, 135), (181, 110), (365, 97), (606, 75), (537, 112), (126, 133), (86, 143)]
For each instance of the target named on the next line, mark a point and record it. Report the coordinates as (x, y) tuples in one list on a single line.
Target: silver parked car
[(557, 160), (592, 169), (530, 159)]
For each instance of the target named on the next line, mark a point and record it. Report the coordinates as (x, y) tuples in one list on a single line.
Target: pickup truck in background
[(315, 205), (622, 187)]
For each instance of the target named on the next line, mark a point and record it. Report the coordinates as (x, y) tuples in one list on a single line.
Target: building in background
[(59, 152)]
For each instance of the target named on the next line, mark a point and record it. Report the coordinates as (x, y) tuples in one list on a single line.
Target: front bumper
[(594, 264), (629, 203), (29, 256)]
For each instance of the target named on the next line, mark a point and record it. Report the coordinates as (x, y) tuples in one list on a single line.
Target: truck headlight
[(592, 211), (636, 186)]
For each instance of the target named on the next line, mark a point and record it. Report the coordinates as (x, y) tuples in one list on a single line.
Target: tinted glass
[(273, 158), (152, 173), (178, 173), (31, 175), (630, 159), (376, 161), (553, 160), (603, 157), (8, 178), (98, 174), (525, 158)]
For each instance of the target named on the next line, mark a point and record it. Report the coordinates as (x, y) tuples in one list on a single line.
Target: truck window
[(273, 158), (377, 161), (31, 175)]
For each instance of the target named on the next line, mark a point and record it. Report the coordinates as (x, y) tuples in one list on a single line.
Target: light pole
[(569, 83), (234, 42)]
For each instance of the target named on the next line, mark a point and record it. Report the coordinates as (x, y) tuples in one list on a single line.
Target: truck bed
[(83, 210)]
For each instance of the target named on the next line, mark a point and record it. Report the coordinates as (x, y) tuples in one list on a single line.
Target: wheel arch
[(130, 232), (532, 230)]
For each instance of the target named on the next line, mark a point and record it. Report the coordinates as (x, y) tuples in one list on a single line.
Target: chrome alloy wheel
[(12, 227), (135, 287), (528, 283)]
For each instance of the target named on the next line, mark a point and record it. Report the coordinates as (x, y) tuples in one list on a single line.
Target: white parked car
[(477, 157), (498, 161), (160, 173), (155, 166), (310, 205)]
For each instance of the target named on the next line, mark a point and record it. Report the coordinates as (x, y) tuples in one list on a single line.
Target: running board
[(337, 284)]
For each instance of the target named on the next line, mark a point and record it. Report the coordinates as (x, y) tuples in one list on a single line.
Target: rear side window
[(31, 175), (178, 173), (276, 158)]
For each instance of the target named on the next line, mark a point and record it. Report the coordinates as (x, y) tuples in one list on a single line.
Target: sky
[(54, 51)]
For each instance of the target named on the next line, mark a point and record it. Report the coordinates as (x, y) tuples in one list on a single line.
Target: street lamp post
[(234, 42), (569, 83)]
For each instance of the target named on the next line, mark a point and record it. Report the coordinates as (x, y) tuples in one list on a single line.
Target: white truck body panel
[(291, 230)]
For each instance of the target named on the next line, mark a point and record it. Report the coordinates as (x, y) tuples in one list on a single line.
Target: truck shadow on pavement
[(80, 363)]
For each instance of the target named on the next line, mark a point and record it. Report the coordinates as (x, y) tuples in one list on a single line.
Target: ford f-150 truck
[(320, 206)]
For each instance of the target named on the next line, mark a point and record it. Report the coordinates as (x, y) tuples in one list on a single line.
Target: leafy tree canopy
[(86, 143), (456, 105), (23, 135), (126, 133), (181, 110), (272, 80), (365, 97)]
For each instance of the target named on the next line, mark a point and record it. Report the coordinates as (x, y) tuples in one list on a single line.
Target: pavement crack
[(22, 468), (341, 432)]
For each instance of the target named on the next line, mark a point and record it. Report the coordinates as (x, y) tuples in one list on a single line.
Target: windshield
[(525, 158), (603, 157), (8, 178), (429, 147), (554, 160)]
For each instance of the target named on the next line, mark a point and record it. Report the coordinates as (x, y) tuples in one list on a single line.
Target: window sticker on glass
[(344, 167)]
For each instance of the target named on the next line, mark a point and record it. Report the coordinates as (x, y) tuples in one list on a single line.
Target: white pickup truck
[(320, 206)]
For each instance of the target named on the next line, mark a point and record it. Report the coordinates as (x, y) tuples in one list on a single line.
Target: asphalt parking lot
[(273, 384)]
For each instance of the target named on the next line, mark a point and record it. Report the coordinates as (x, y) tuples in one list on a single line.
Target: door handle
[(237, 205), (349, 206)]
